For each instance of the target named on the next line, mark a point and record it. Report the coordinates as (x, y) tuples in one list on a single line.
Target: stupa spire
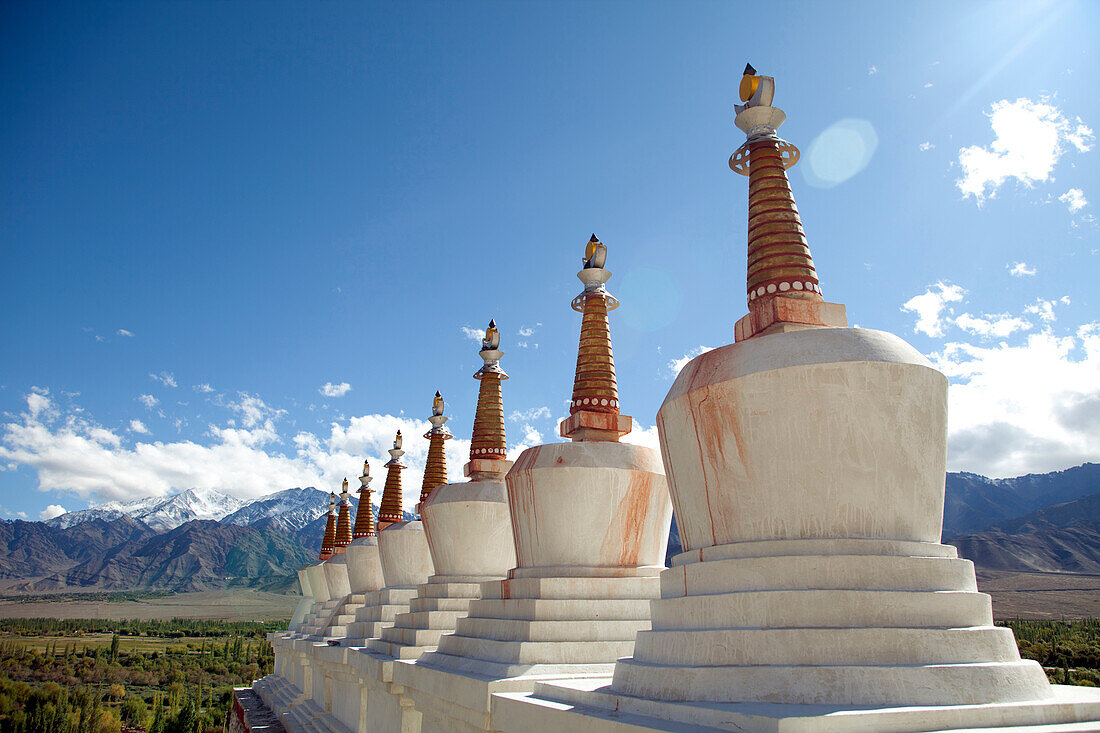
[(364, 516), (782, 286), (343, 522), (488, 443), (389, 511), (435, 469), (594, 409), (328, 544)]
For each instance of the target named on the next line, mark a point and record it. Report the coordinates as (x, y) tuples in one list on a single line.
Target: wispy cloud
[(926, 146), (474, 334), (124, 332), (165, 378), (931, 305), (530, 414), (204, 388), (526, 331), (675, 365), (1020, 269), (148, 400), (872, 70), (137, 426), (328, 389), (1029, 138), (1074, 199)]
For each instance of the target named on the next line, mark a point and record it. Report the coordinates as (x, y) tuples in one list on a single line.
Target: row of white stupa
[(806, 463)]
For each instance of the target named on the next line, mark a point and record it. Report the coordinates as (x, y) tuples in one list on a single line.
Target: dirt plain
[(227, 605), (1015, 595)]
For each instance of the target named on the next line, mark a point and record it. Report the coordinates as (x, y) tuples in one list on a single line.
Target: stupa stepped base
[(332, 622), (377, 613), (592, 705), (522, 631), (843, 622), (436, 610)]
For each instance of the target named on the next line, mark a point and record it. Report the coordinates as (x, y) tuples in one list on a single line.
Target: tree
[(114, 648), (135, 712)]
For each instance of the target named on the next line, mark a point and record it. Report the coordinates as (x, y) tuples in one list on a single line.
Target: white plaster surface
[(364, 565), (336, 576), (823, 433), (589, 505), (406, 560), (469, 530), (318, 584)]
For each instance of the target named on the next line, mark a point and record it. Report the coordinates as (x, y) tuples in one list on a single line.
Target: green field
[(91, 676)]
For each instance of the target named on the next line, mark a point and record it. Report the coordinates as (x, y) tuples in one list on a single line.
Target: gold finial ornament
[(437, 404), (397, 441), (491, 342), (364, 516)]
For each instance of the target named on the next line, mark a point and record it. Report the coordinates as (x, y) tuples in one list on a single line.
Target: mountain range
[(204, 539), (194, 540)]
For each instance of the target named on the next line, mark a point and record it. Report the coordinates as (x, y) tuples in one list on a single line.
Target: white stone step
[(428, 619), (819, 572), (824, 608), (413, 637), (560, 610), (550, 631), (535, 652), (817, 647), (461, 605), (893, 685), (573, 588)]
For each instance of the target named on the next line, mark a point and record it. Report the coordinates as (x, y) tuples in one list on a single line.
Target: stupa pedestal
[(467, 525), (590, 522)]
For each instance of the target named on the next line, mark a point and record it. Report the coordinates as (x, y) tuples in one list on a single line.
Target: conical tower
[(783, 290), (328, 544), (343, 522), (390, 510), (364, 516), (435, 469), (594, 408), (488, 445)]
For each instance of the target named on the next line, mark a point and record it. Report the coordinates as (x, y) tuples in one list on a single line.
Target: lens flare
[(841, 151)]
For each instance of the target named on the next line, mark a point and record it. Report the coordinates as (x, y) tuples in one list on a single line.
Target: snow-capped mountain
[(161, 512), (295, 508)]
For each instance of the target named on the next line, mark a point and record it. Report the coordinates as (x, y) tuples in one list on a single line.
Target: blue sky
[(211, 211)]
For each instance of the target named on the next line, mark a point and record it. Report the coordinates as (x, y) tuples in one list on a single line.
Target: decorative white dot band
[(784, 287), (593, 401)]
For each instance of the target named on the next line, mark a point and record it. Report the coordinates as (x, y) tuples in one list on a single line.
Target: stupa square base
[(456, 693), (590, 705)]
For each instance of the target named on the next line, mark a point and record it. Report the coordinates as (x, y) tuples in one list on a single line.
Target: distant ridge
[(194, 540)]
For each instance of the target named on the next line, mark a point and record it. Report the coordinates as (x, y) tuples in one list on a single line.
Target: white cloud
[(1020, 269), (930, 307), (245, 457), (1029, 140), (328, 389), (1045, 308), (675, 365), (641, 435), (165, 378), (137, 426), (474, 334), (53, 510), (123, 332), (148, 400), (1000, 325), (926, 145), (534, 413), (204, 388), (928, 85), (1074, 199), (1026, 407), (526, 331), (872, 70)]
